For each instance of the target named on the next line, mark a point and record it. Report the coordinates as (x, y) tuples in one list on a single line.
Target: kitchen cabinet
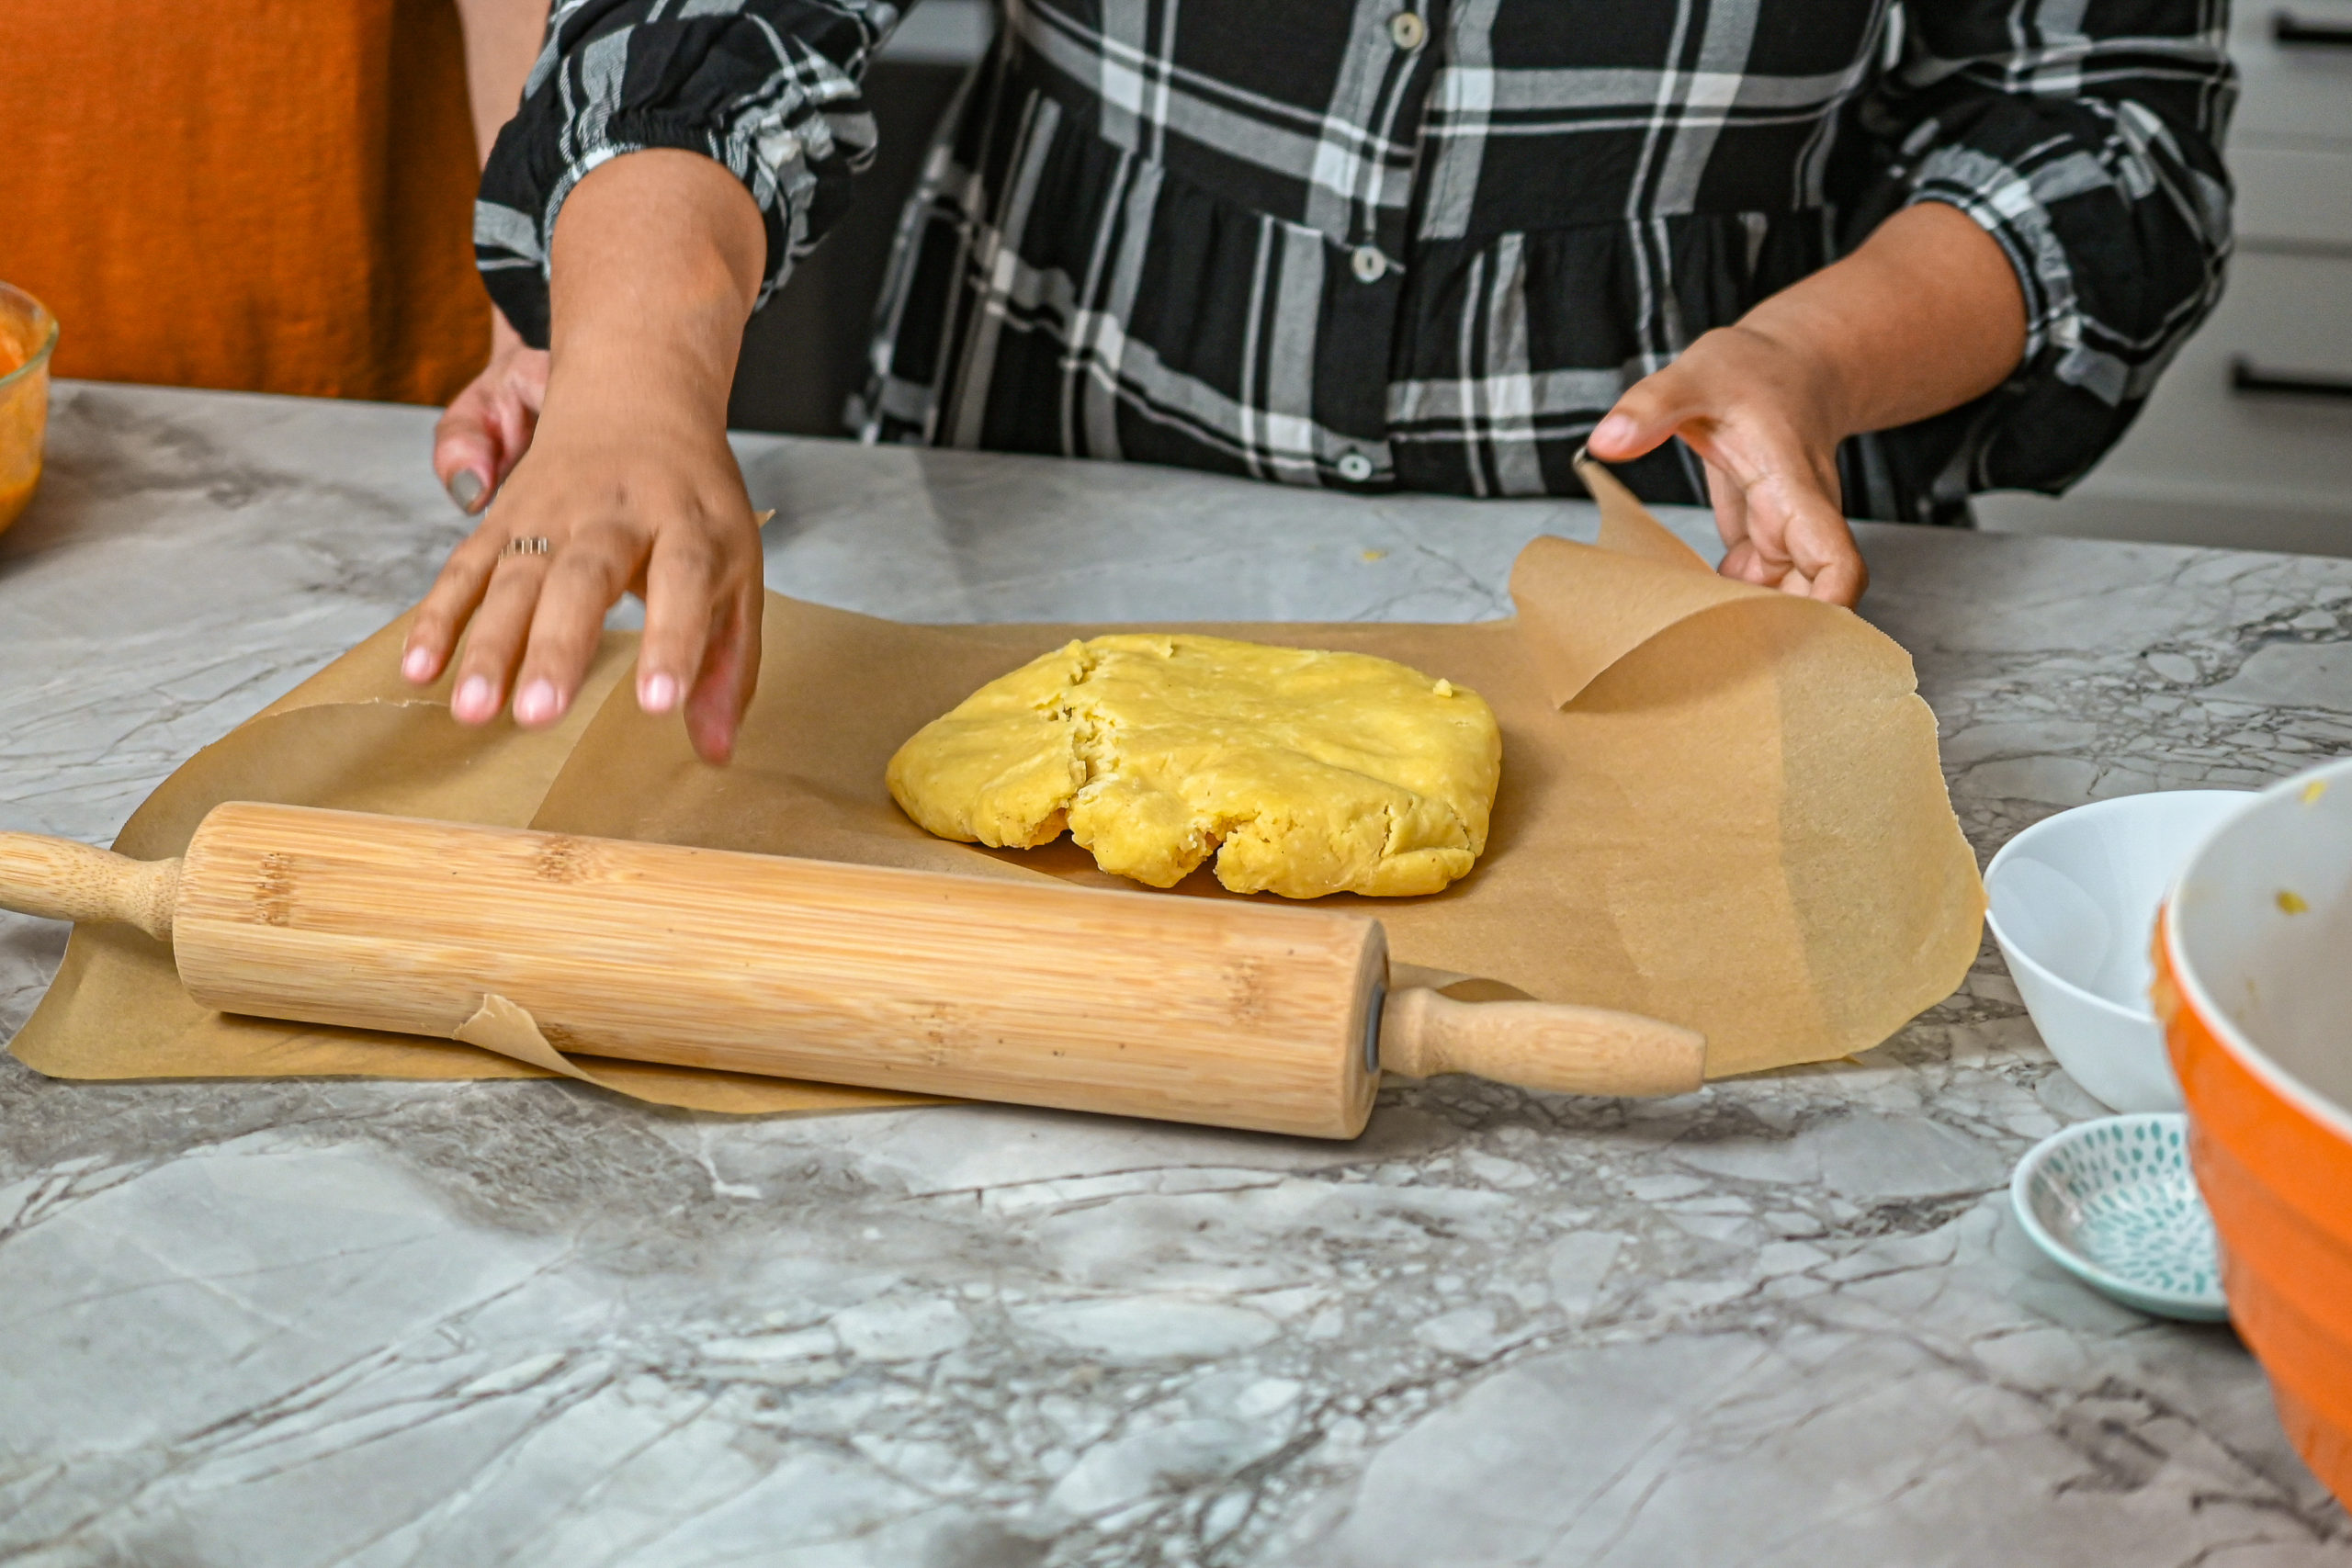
[(2247, 438)]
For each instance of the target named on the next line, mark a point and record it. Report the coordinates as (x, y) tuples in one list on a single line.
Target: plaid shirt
[(1425, 243)]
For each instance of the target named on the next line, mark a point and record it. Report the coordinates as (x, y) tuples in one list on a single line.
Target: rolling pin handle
[(1540, 1045), (60, 880)]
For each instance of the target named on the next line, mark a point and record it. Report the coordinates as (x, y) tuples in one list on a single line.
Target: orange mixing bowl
[(2254, 983)]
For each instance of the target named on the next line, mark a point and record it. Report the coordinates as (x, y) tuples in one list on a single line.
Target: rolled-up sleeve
[(770, 88), (2085, 136)]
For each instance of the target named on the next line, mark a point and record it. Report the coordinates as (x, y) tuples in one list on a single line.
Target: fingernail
[(465, 487), (1613, 429), (416, 664), (657, 692), (476, 699), (538, 704)]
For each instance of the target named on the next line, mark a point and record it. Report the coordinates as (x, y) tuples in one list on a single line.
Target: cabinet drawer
[(2283, 312), (2293, 195), (2294, 60), (941, 32), (2283, 319), (2209, 461)]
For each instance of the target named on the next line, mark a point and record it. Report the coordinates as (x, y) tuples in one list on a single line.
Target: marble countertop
[(1784, 1321)]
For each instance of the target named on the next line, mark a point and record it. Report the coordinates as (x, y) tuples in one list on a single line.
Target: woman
[(1854, 254)]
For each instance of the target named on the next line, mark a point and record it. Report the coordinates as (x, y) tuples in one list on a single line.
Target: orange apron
[(273, 195)]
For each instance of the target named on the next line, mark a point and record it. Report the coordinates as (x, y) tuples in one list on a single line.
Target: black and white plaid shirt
[(1374, 244)]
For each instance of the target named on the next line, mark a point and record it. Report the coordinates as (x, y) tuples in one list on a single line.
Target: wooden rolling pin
[(1187, 1010)]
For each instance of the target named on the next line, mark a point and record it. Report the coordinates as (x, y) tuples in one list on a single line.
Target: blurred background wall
[(806, 353)]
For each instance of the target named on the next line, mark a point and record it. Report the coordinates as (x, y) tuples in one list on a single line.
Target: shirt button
[(1408, 31), (1368, 264), (1354, 467)]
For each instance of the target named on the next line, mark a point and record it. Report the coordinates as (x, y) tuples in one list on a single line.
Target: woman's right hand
[(622, 478), (631, 493), (484, 432)]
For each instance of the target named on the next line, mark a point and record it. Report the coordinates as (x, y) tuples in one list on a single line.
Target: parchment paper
[(357, 737), (1721, 805)]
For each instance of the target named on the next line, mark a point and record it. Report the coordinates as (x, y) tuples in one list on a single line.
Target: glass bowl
[(28, 336)]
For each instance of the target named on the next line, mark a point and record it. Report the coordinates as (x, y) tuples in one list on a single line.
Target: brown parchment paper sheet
[(357, 737), (1721, 805)]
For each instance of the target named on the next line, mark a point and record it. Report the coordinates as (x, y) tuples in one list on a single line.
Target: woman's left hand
[(1762, 415), (1925, 315)]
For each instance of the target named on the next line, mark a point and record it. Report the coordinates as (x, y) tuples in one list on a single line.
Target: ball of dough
[(1303, 772)]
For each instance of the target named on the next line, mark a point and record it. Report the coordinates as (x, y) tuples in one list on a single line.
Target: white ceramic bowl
[(2072, 903)]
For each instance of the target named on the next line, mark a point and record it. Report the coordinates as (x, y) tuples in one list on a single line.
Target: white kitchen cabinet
[(2248, 439), (2211, 463), (942, 32), (2294, 62), (2293, 197)]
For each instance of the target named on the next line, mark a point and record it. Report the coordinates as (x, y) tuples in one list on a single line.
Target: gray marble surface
[(1784, 1321)]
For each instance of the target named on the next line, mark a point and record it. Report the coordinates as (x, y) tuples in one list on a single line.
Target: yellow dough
[(1303, 772)]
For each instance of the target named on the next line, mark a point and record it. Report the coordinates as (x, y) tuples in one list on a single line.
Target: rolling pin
[(1232, 1014)]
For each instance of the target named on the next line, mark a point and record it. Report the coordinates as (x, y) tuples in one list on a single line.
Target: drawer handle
[(2244, 376), (2287, 29)]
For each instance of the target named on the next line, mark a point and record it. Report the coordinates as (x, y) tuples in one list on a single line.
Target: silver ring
[(535, 545)]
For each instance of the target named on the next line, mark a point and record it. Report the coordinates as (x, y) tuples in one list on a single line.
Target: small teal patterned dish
[(2112, 1202)]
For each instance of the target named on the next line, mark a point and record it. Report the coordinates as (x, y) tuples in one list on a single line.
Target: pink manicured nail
[(538, 704), (417, 665), (657, 692), (476, 700), (1613, 429)]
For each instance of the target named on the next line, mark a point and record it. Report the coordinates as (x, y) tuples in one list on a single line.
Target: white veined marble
[(1785, 1321)]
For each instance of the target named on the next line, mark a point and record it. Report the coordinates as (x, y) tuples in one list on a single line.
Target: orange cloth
[(273, 195)]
